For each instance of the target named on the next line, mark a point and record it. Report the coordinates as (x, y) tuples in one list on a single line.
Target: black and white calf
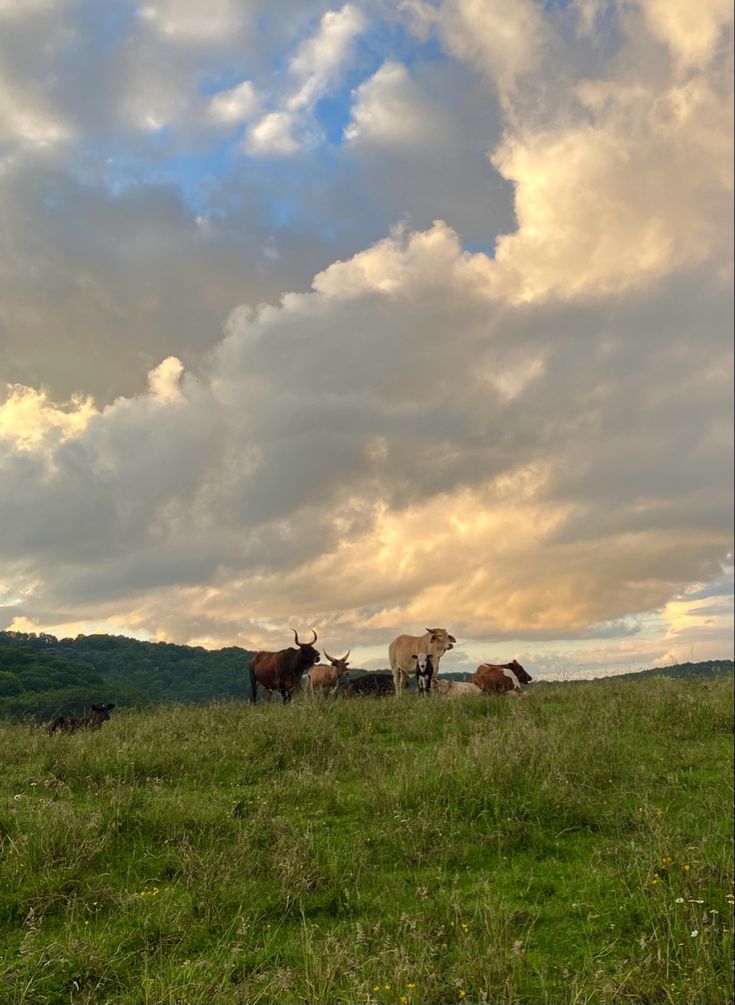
[(424, 672)]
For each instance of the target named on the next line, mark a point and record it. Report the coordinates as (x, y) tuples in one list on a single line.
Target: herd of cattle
[(410, 656)]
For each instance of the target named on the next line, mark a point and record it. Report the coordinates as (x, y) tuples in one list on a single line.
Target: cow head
[(340, 665), (441, 641), (100, 714), (521, 674), (309, 655)]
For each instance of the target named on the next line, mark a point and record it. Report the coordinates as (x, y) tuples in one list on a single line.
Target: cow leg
[(286, 695), (398, 682)]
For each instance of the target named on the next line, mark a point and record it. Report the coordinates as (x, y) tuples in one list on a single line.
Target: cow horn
[(344, 658), (296, 636), (330, 658), (314, 639)]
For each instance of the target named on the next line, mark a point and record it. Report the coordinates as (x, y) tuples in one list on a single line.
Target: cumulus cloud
[(390, 470), (526, 439)]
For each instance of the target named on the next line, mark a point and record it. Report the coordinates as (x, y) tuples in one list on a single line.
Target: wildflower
[(679, 900), (376, 987), (404, 999), (410, 985), (713, 911), (386, 987), (462, 995), (686, 867), (695, 933), (696, 901)]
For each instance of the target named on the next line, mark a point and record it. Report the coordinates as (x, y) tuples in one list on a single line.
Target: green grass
[(562, 847)]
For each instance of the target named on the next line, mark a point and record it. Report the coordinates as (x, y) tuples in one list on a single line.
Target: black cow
[(282, 671), (375, 684), (98, 715)]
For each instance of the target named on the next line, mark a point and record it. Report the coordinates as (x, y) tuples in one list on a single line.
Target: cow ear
[(414, 657), (112, 705)]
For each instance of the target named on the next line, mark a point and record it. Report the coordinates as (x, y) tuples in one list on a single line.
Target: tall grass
[(570, 846)]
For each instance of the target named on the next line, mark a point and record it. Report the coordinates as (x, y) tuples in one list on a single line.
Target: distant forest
[(42, 676)]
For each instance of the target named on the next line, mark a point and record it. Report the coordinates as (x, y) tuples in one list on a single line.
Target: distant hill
[(41, 675), (708, 669)]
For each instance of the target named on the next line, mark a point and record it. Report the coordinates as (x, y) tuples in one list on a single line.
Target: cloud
[(638, 190), (690, 32), (388, 110), (500, 38), (313, 69), (192, 22), (480, 370), (238, 104), (389, 469)]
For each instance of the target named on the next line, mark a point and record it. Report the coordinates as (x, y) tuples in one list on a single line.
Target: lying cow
[(499, 678), (456, 689), (325, 679), (98, 715), (373, 684)]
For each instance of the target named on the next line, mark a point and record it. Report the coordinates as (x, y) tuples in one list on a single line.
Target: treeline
[(41, 675), (708, 668)]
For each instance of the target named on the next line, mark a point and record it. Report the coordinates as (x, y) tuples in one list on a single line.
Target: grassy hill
[(573, 845)]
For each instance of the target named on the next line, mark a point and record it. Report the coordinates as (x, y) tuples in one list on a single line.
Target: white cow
[(457, 689)]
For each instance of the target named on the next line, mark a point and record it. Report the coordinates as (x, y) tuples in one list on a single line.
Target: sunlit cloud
[(366, 317)]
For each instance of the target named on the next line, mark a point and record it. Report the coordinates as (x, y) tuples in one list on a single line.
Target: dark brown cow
[(98, 715), (282, 671), (500, 677), (374, 684)]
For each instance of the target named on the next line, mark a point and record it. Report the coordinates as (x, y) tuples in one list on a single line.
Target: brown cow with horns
[(282, 671)]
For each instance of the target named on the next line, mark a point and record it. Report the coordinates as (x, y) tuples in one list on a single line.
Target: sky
[(370, 317)]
